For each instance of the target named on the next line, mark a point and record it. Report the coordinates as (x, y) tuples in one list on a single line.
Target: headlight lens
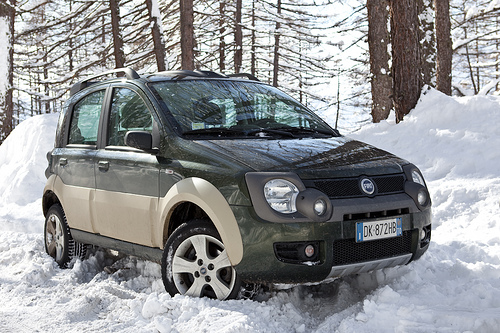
[(417, 177), (281, 195)]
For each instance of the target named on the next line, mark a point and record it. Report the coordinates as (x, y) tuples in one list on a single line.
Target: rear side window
[(128, 113), (85, 119)]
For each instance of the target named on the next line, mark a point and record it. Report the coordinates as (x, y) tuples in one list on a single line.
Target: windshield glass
[(226, 108)]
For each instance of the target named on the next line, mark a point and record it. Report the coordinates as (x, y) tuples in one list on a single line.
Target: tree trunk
[(406, 60), (253, 40), (187, 34), (427, 40), (7, 16), (378, 40), (222, 42), (444, 46), (114, 6), (238, 38), (157, 33), (277, 46), (45, 79)]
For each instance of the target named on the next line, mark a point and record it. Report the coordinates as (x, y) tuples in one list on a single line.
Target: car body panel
[(210, 200), (309, 158), (126, 179)]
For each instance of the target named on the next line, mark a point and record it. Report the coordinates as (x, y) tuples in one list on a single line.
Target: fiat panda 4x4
[(225, 181)]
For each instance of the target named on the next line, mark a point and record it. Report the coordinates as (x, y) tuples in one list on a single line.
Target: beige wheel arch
[(206, 196)]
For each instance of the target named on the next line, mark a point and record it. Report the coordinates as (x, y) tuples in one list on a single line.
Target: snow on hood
[(455, 286)]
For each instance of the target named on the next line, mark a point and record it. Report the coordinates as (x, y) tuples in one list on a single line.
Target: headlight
[(281, 195), (417, 177), (415, 187)]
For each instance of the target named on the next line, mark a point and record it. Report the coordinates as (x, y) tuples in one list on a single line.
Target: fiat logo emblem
[(367, 186)]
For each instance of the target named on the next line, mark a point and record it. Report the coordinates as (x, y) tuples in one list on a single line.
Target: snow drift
[(454, 287)]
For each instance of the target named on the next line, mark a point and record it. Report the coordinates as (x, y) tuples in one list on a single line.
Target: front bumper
[(338, 253)]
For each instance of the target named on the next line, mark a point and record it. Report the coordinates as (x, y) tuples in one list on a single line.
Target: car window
[(85, 119), (128, 113), (233, 105)]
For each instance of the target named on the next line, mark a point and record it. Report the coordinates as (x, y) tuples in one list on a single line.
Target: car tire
[(58, 241), (195, 263)]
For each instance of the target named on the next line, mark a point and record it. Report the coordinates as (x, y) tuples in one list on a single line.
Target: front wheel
[(58, 241), (195, 263)]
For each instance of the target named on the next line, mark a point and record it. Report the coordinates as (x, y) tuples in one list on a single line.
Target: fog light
[(422, 197), (320, 207), (423, 234), (309, 251)]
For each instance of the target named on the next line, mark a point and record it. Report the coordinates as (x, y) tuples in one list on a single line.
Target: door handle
[(63, 161), (103, 165)]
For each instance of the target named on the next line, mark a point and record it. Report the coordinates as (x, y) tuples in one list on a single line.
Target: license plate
[(367, 231)]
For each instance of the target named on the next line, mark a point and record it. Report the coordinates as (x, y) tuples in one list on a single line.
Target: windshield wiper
[(275, 131), (284, 131), (303, 130), (219, 131)]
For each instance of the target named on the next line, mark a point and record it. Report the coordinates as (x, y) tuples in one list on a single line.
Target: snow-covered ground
[(454, 287)]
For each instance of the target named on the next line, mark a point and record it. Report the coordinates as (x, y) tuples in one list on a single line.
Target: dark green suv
[(227, 182)]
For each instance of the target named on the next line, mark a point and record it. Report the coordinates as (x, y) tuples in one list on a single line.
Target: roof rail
[(129, 74), (195, 73), (246, 75)]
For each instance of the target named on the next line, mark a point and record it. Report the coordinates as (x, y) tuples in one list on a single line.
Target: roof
[(131, 74)]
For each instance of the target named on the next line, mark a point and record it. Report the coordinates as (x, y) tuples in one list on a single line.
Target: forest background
[(352, 61)]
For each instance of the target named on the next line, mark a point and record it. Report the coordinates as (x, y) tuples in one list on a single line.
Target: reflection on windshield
[(224, 108)]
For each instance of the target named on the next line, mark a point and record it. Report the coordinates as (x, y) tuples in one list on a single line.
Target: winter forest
[(351, 61), (362, 65)]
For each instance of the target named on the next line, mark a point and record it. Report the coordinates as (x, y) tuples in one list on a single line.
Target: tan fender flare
[(49, 187), (205, 195)]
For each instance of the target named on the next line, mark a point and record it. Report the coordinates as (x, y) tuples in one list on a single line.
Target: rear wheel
[(195, 263), (58, 241)]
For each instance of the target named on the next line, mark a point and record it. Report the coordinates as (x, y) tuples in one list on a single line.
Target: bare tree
[(407, 82), (114, 6), (7, 16), (443, 46), (378, 41), (276, 53), (187, 34), (238, 38), (222, 40), (253, 41), (157, 33), (427, 41)]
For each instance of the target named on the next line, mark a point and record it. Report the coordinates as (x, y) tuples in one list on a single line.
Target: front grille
[(347, 251), (349, 187), (378, 214), (390, 184)]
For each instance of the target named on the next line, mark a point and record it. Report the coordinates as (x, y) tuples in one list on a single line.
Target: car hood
[(309, 158)]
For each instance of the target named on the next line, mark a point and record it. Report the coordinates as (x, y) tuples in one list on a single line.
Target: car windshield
[(208, 109)]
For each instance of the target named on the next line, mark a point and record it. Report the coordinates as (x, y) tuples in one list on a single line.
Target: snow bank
[(23, 159), (455, 287), (445, 137)]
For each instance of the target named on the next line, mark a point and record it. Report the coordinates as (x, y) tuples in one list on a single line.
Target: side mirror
[(140, 140)]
